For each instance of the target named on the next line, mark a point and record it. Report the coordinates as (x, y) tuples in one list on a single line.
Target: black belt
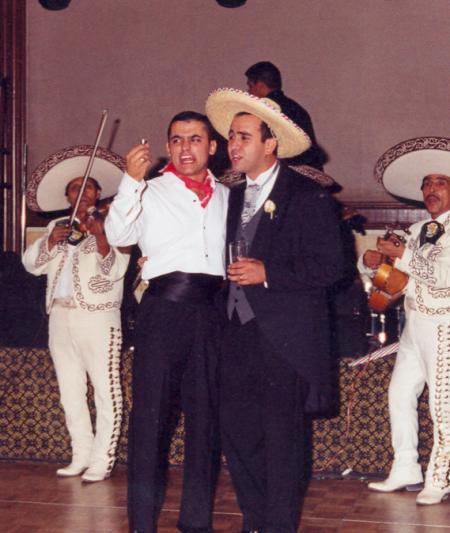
[(184, 287)]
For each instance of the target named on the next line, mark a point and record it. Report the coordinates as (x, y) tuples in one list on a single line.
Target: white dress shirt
[(166, 220), (266, 180)]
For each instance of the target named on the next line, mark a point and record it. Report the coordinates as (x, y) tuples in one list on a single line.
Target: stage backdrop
[(370, 72)]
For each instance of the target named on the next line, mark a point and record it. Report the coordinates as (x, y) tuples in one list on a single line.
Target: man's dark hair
[(95, 182), (266, 72), (186, 116)]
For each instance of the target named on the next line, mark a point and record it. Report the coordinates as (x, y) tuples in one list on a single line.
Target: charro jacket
[(97, 281), (428, 267)]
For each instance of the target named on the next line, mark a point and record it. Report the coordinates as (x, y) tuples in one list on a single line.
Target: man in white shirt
[(275, 362), (419, 169), (83, 299), (178, 221)]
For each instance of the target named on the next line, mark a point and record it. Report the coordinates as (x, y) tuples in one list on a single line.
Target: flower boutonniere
[(269, 207)]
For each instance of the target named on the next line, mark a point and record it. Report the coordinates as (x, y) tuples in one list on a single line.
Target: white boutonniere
[(269, 207)]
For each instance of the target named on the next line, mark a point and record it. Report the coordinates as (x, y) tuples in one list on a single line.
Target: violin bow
[(89, 165)]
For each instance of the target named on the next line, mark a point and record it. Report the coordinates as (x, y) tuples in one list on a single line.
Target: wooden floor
[(34, 500)]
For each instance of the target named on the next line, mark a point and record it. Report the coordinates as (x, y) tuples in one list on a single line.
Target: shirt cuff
[(129, 186)]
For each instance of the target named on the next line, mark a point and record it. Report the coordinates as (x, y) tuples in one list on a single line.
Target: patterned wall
[(32, 422)]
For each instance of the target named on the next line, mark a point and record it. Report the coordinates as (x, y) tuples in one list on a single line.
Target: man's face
[(248, 153), (90, 194), (436, 194), (189, 148), (257, 88)]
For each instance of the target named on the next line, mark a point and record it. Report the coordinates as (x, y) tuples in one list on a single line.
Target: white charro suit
[(423, 358), (85, 338)]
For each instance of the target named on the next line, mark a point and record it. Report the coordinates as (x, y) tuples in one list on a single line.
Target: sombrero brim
[(47, 185), (401, 169), (223, 104)]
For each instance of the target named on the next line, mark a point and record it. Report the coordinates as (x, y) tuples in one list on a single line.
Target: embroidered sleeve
[(37, 256)]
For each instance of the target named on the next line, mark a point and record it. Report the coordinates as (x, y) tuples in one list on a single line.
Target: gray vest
[(236, 295)]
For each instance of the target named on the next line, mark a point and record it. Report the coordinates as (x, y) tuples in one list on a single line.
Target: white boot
[(400, 478), (75, 468), (97, 471), (432, 495)]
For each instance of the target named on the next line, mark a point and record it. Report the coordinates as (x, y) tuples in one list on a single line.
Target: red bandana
[(203, 190)]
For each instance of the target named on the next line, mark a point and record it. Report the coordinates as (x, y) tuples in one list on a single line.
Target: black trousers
[(262, 429), (176, 352)]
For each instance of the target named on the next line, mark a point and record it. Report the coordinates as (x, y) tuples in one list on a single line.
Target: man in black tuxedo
[(264, 80), (275, 362)]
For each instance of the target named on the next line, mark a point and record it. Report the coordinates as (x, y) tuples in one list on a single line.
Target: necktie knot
[(431, 232)]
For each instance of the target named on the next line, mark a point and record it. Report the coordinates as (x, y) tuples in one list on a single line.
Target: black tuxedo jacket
[(301, 249)]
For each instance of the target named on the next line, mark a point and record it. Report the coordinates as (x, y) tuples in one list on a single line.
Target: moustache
[(431, 196)]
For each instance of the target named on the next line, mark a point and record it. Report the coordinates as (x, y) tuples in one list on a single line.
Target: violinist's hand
[(58, 234), (95, 225), (372, 259), (391, 247), (138, 161)]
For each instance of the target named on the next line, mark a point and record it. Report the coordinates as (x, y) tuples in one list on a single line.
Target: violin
[(388, 283), (79, 229)]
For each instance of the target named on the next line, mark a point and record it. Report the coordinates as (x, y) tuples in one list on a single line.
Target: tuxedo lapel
[(236, 203), (267, 224)]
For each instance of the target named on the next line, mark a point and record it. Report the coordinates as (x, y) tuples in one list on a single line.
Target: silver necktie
[(250, 197)]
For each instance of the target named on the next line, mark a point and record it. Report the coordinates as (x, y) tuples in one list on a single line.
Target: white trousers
[(83, 343), (423, 358)]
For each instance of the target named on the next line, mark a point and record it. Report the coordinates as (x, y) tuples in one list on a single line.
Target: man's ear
[(168, 151), (212, 147), (270, 146)]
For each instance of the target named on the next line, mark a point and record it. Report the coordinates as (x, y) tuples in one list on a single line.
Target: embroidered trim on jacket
[(98, 284)]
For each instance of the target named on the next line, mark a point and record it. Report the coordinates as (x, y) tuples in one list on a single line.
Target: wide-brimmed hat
[(223, 104), (401, 169), (47, 185)]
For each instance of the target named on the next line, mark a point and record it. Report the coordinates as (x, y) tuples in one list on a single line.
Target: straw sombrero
[(223, 104), (47, 185), (401, 169)]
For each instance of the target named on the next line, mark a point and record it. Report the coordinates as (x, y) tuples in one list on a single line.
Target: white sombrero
[(223, 104), (402, 168), (47, 185)]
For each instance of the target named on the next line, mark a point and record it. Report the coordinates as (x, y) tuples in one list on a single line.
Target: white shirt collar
[(261, 179)]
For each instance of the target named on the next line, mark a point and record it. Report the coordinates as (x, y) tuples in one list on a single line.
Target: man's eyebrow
[(240, 132), (193, 136)]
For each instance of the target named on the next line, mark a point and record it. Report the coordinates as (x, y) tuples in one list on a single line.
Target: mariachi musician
[(84, 294), (419, 169)]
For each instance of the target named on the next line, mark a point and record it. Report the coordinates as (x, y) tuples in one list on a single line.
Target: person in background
[(422, 173), (83, 299), (264, 81)]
